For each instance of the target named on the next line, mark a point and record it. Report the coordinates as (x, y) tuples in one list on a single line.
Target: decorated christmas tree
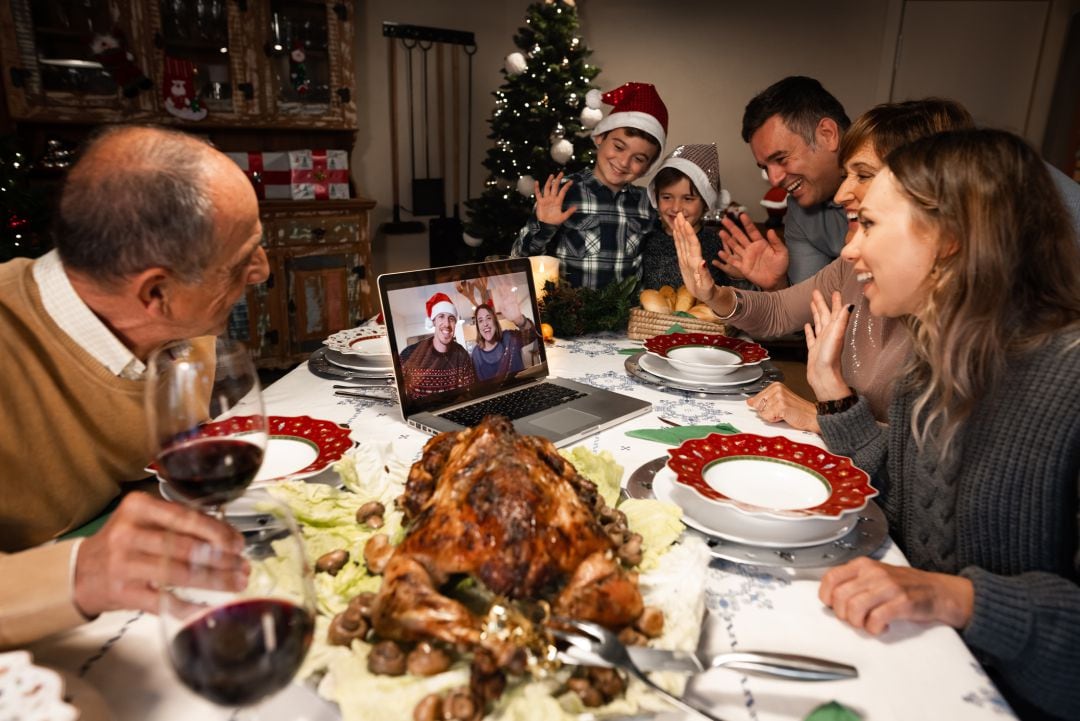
[(540, 124)]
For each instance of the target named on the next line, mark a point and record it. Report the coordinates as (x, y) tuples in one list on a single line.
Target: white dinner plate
[(662, 369), (366, 341), (359, 363), (696, 514)]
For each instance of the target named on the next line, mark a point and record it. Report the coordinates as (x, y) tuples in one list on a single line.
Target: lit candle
[(544, 268)]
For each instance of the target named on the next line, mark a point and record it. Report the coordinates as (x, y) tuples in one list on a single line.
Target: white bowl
[(767, 491), (704, 362)]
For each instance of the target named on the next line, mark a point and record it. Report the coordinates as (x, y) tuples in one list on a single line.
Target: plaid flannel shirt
[(601, 242)]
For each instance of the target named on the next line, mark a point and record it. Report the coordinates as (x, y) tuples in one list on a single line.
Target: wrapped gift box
[(297, 174)]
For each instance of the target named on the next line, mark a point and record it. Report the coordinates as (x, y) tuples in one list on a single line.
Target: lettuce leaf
[(600, 468)]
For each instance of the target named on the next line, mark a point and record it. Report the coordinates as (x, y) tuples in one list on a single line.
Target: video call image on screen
[(453, 337)]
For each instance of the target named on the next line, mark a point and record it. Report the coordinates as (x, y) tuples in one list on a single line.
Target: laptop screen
[(462, 332)]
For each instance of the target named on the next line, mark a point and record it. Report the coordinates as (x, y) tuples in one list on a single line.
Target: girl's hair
[(888, 126), (497, 338), (1007, 278), (669, 176)]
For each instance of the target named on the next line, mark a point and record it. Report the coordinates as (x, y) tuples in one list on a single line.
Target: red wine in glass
[(237, 654), (211, 471)]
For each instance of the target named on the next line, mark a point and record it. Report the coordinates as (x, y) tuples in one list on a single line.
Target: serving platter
[(867, 535), (769, 374)]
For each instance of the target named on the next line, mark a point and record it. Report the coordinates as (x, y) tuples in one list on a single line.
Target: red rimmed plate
[(771, 476), (705, 356), (366, 341), (296, 447)]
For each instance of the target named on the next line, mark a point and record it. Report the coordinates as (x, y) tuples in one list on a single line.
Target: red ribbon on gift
[(319, 176), (261, 178)]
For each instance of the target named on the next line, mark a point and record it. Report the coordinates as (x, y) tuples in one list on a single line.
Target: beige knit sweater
[(74, 431)]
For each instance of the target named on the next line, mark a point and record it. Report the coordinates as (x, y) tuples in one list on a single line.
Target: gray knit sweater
[(1003, 514)]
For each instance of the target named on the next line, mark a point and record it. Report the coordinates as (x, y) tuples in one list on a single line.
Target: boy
[(598, 237)]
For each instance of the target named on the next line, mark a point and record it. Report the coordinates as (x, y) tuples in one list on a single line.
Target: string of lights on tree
[(539, 125), (22, 206)]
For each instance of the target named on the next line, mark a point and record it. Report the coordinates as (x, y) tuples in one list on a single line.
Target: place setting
[(767, 501), (358, 355), (705, 363)]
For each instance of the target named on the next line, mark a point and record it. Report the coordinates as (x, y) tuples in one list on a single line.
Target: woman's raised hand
[(824, 344), (506, 302), (550, 199)]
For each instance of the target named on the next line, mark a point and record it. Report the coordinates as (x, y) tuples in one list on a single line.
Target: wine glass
[(208, 429), (237, 647)]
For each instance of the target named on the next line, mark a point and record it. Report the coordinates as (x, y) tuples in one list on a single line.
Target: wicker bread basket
[(646, 324)]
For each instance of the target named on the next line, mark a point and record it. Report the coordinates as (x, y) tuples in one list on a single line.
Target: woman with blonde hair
[(979, 464)]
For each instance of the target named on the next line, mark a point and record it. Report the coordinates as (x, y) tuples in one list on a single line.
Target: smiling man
[(439, 363), (794, 129)]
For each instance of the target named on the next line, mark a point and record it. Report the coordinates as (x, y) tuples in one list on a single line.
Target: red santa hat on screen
[(636, 105), (439, 303), (701, 163)]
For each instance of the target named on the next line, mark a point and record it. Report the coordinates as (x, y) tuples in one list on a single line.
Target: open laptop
[(438, 393)]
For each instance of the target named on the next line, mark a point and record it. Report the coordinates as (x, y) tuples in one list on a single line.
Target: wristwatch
[(828, 408)]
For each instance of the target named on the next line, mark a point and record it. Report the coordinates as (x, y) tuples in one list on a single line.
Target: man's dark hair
[(800, 102)]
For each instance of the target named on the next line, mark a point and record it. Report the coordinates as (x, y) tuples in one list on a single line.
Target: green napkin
[(675, 435), (833, 711), (675, 329), (630, 351)]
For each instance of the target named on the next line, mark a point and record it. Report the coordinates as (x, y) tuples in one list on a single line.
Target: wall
[(707, 58)]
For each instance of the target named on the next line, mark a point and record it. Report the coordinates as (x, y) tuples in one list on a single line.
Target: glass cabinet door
[(78, 54), (198, 68), (301, 63)]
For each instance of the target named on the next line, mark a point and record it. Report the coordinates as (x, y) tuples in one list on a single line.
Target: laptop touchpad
[(564, 420)]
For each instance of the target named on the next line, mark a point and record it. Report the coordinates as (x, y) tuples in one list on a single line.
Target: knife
[(757, 663)]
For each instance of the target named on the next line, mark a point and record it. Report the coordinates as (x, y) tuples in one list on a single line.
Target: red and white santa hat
[(636, 105), (701, 163), (439, 303)]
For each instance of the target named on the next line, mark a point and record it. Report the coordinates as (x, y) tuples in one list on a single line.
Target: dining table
[(911, 671)]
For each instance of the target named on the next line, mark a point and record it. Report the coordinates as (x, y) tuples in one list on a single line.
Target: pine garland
[(576, 311)]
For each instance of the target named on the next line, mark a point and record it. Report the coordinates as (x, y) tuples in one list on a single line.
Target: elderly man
[(794, 129), (157, 236)]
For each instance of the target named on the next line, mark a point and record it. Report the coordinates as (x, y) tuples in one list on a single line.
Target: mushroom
[(630, 636), (347, 626), (459, 705), (427, 660), (588, 694), (387, 658), (332, 562), (363, 603), (371, 514), (429, 709)]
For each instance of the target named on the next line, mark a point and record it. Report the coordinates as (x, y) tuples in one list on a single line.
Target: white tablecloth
[(910, 672)]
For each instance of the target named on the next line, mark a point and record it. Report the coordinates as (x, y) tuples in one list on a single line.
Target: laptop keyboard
[(514, 405)]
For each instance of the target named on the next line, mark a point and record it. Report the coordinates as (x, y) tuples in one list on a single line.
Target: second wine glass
[(207, 423)]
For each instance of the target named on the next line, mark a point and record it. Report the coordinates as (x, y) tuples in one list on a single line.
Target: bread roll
[(652, 300), (683, 299), (669, 293), (702, 312)]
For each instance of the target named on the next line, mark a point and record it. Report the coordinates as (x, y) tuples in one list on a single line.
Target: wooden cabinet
[(320, 278), (271, 75)]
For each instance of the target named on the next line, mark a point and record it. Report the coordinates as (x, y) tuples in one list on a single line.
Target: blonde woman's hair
[(1006, 281)]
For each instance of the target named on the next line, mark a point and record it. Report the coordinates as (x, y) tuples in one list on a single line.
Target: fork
[(602, 643)]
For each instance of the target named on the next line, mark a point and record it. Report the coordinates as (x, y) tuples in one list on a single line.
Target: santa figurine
[(298, 69), (111, 51), (179, 93)]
